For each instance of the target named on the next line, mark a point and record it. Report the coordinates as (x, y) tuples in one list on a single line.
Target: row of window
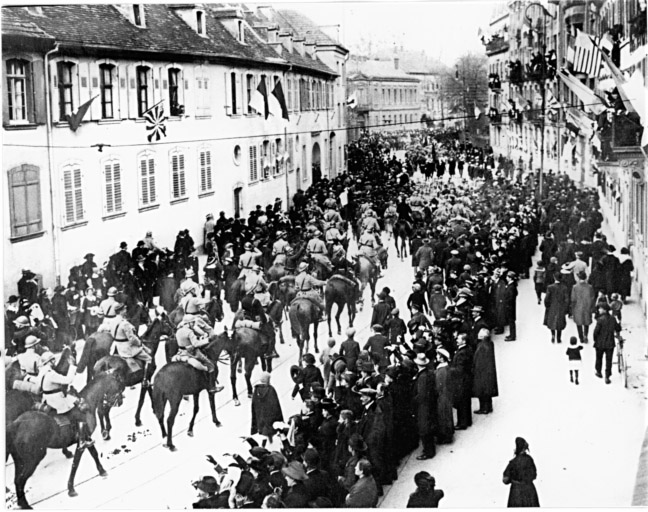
[(144, 82), (389, 96), (395, 119)]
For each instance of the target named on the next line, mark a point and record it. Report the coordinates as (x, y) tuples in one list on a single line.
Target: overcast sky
[(444, 29)]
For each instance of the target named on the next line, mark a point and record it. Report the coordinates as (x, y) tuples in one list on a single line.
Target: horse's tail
[(158, 399), (88, 348)]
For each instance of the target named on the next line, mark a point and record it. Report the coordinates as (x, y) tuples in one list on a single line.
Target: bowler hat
[(295, 470), (258, 452), (328, 404), (308, 358)]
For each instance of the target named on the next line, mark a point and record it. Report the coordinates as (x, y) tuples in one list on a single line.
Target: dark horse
[(29, 436), (18, 402), (341, 291), (368, 273), (176, 379), (402, 233), (302, 314), (248, 347), (98, 345)]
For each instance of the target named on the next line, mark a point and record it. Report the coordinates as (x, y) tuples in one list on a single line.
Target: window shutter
[(144, 195), (131, 83), (69, 195), (116, 175), (209, 170), (109, 205), (181, 172), (240, 88), (78, 194), (151, 180), (174, 176), (94, 83), (228, 94), (121, 90), (203, 176)]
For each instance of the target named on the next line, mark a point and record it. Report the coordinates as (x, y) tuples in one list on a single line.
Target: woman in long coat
[(445, 419), (484, 373), (520, 474), (266, 408), (624, 274), (556, 308)]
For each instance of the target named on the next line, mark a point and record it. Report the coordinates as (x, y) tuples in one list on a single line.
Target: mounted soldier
[(248, 259), (368, 246), (127, 343), (253, 315), (306, 285), (192, 334), (29, 360), (333, 235), (280, 249), (318, 252), (255, 285)]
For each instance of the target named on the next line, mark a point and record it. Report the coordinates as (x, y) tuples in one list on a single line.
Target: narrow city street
[(571, 429)]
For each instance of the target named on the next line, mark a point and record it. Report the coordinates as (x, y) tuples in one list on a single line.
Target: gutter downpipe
[(50, 164)]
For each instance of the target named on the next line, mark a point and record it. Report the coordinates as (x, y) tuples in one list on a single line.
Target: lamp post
[(532, 11)]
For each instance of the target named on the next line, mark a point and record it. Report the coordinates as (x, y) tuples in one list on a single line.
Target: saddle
[(134, 365), (184, 357), (343, 279)]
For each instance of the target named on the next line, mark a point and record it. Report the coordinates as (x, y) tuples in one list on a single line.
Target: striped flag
[(551, 103), (155, 122), (587, 53)]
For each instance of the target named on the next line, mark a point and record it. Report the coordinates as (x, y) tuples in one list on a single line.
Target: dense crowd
[(370, 403)]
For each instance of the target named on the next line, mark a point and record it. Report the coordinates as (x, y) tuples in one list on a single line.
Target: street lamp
[(531, 12)]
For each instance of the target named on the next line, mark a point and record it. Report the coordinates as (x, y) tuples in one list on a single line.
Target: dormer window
[(138, 15), (241, 32), (200, 27)]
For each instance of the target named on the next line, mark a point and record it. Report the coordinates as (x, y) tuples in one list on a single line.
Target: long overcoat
[(266, 409), (484, 370), (556, 306), (461, 375), (425, 400), (445, 420), (582, 303)]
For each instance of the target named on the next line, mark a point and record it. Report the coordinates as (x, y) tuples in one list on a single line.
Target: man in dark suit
[(376, 346), (461, 382), (425, 405), (318, 483), (207, 488), (381, 311), (606, 327), (350, 349)]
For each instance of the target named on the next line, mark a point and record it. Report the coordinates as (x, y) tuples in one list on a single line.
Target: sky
[(445, 29)]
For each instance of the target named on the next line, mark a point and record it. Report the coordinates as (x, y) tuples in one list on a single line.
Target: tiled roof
[(377, 69), (103, 25), (26, 29), (303, 26)]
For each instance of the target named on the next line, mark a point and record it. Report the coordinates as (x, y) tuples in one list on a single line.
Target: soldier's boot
[(85, 440), (212, 386)]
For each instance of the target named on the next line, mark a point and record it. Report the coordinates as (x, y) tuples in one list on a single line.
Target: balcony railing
[(496, 45), (621, 137)]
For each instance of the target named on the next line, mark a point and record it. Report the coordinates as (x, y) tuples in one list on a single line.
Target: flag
[(592, 102), (551, 103), (587, 53), (477, 111), (75, 119), (155, 120), (277, 92), (632, 91), (259, 100), (352, 101)]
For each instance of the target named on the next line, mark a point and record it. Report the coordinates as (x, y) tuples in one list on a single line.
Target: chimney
[(310, 49), (396, 62), (286, 39)]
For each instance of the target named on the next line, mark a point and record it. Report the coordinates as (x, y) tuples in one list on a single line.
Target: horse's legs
[(337, 319), (170, 421), (212, 406), (329, 307), (196, 398), (75, 465), (23, 470), (140, 402), (315, 337), (233, 365), (95, 457), (66, 452), (249, 366)]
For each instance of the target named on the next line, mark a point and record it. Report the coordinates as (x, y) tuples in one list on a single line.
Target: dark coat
[(520, 474), (445, 421), (341, 454), (557, 306), (297, 496), (425, 499), (372, 429), (624, 278), (438, 303), (499, 302), (381, 313), (425, 401), (167, 287), (582, 303), (606, 326), (376, 345), (484, 370), (318, 484), (266, 409), (350, 350), (396, 328), (363, 494), (461, 375)]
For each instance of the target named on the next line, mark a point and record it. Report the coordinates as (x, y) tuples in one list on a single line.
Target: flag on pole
[(278, 94), (632, 91), (155, 122), (592, 102), (75, 119), (352, 101), (587, 53), (259, 100)]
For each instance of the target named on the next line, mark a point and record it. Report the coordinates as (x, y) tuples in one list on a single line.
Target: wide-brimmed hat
[(21, 321), (328, 404), (303, 266), (190, 272), (59, 288), (46, 357), (443, 353), (421, 359), (31, 341), (356, 442), (89, 255), (297, 374), (295, 470), (259, 452), (207, 484)]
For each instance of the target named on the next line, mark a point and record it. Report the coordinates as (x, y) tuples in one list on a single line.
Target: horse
[(247, 346), (402, 233), (286, 291), (176, 379), (285, 266), (368, 273), (32, 433), (98, 344), (302, 314), (340, 291)]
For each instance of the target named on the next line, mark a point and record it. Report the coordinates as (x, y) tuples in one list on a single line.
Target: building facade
[(388, 98), (591, 132), (105, 181), (496, 42)]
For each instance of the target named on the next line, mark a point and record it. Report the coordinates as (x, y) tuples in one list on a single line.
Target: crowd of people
[(370, 403)]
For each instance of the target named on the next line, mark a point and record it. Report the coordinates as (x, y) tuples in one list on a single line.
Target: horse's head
[(105, 387), (217, 343)]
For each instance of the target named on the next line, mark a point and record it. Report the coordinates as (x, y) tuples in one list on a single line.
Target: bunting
[(591, 101)]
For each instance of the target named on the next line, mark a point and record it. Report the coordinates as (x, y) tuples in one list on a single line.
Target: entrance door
[(316, 163), (238, 206)]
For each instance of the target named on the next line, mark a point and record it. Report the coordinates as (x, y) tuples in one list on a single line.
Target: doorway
[(316, 163), (238, 202)]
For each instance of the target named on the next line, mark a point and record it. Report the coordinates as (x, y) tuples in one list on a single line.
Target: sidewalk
[(636, 335)]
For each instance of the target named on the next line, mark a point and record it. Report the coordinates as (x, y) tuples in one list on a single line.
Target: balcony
[(494, 82), (621, 138), (496, 45)]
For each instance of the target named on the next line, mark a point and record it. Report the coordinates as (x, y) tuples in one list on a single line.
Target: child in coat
[(574, 356)]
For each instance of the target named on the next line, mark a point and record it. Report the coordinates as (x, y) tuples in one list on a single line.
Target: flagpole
[(286, 169)]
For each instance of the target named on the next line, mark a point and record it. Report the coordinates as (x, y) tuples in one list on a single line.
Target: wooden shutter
[(151, 180), (109, 202), (78, 193), (205, 171), (144, 192), (240, 88), (178, 175), (228, 94), (94, 83), (254, 169)]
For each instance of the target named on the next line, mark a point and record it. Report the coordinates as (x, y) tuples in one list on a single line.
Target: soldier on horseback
[(190, 337), (29, 360), (248, 259), (368, 246), (318, 252), (127, 343), (390, 216), (54, 387), (255, 285), (305, 285), (252, 311), (281, 248), (333, 235)]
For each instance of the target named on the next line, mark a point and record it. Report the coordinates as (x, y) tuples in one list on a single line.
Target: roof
[(303, 26), (105, 27), (25, 29), (377, 69)]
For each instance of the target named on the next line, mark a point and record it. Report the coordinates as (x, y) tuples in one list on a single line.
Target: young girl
[(616, 304), (539, 279), (574, 356)]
